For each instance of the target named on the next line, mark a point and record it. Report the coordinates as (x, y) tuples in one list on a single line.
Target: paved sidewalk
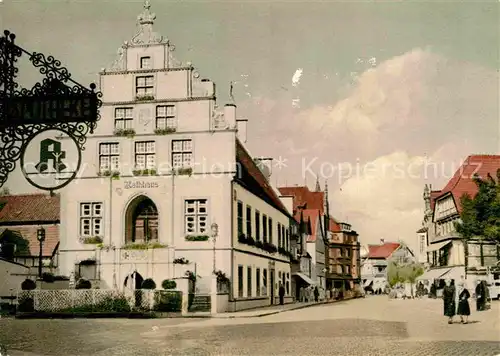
[(258, 312)]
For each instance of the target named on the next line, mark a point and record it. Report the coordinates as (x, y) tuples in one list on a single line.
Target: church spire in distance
[(318, 187)]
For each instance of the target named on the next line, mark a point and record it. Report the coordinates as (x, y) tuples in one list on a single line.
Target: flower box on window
[(197, 238), (282, 251), (184, 171), (124, 132), (181, 261), (269, 247), (91, 240), (144, 97), (109, 173), (242, 238), (165, 131), (144, 172), (143, 246)]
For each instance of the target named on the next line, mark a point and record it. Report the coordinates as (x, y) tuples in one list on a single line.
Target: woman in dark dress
[(463, 303), (449, 305), (480, 296)]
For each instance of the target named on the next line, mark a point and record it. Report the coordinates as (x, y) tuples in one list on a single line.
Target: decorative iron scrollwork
[(17, 124)]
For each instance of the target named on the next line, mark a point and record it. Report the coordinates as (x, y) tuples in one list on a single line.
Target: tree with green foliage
[(394, 275), (480, 216), (404, 272)]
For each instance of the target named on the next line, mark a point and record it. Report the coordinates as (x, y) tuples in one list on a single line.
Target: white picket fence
[(100, 300)]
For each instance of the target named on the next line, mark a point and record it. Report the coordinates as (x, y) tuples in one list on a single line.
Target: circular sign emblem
[(50, 159)]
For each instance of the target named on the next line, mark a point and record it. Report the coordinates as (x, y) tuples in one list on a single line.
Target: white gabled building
[(163, 166)]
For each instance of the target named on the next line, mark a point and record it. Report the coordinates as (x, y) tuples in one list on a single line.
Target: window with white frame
[(278, 225), (196, 216), (91, 219), (264, 228), (257, 226), (124, 118), (270, 229), (145, 63), (182, 153), (145, 155), (166, 117), (109, 156), (144, 85)]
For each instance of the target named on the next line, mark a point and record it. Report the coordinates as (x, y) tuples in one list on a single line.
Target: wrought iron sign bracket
[(56, 103)]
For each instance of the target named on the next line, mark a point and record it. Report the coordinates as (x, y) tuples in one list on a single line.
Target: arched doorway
[(141, 221)]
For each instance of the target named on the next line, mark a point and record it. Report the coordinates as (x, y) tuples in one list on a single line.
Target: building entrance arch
[(141, 220)]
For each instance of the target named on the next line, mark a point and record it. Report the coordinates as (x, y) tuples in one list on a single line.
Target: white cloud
[(383, 202), (412, 107)]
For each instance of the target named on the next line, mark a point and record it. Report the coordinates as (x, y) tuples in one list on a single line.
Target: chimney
[(230, 115), (209, 87), (265, 165), (287, 201), (382, 241), (241, 128)]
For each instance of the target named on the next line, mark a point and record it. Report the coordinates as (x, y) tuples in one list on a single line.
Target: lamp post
[(40, 236), (213, 300), (215, 232)]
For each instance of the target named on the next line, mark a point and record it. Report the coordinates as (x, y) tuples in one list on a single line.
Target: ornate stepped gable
[(145, 36)]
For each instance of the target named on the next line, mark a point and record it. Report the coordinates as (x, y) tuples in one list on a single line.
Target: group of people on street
[(309, 294), (456, 300)]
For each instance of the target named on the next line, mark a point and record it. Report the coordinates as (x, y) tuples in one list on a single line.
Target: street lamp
[(40, 236), (215, 232)]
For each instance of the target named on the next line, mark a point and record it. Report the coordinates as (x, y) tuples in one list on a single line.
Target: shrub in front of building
[(168, 284), (168, 301), (83, 284), (148, 284), (48, 277), (28, 284)]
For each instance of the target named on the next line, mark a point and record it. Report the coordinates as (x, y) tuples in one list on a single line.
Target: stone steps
[(201, 303)]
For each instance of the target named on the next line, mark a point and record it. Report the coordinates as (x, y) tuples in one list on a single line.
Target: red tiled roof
[(462, 182), (29, 233), (255, 180), (302, 195), (334, 226), (382, 251), (29, 208)]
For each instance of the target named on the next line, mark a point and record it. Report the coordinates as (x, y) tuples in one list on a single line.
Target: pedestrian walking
[(282, 294), (302, 296), (449, 305), (316, 294), (480, 296), (463, 303)]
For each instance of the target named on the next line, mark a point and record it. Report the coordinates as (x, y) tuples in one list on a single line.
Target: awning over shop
[(438, 246), (432, 274), (304, 278), (456, 273), (367, 283)]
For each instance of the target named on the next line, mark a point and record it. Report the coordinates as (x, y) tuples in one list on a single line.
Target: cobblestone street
[(371, 326)]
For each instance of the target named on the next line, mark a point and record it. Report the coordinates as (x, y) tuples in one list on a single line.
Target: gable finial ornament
[(145, 33), (120, 62)]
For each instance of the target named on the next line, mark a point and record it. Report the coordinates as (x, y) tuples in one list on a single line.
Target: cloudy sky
[(377, 97)]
